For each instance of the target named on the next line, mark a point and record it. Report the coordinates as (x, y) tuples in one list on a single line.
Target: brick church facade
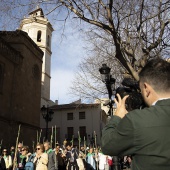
[(20, 87)]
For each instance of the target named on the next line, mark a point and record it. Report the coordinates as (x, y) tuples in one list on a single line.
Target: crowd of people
[(65, 157)]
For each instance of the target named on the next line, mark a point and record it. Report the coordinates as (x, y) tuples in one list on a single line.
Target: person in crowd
[(110, 162), (52, 161), (47, 147), (41, 158), (20, 145), (64, 145), (16, 155), (64, 153), (103, 161), (12, 152), (7, 159), (127, 161), (61, 158), (90, 159), (82, 149), (82, 154), (87, 150), (56, 160), (2, 163), (29, 161), (23, 157), (143, 133), (71, 156)]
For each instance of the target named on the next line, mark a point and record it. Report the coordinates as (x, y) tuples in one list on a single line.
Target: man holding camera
[(143, 134)]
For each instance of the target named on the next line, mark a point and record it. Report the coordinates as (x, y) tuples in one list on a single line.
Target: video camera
[(131, 88)]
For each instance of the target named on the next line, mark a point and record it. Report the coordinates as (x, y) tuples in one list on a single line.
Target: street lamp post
[(48, 116), (109, 81), (110, 85)]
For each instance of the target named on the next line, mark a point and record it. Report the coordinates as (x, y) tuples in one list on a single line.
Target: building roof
[(9, 52), (20, 33), (74, 106), (35, 11)]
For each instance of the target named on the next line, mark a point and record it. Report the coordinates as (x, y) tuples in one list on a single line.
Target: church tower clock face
[(40, 31)]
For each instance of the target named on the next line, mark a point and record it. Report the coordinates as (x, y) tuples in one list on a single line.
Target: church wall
[(6, 91), (22, 93), (28, 88)]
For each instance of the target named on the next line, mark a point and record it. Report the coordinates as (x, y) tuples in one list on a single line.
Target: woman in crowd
[(7, 159), (60, 158), (103, 164), (22, 158), (90, 159), (41, 158)]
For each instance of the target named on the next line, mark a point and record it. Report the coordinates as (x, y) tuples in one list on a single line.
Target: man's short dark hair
[(156, 73), (68, 144)]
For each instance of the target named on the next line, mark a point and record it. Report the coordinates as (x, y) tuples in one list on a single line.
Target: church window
[(39, 36)]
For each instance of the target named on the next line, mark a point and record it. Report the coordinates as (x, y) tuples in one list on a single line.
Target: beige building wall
[(92, 122)]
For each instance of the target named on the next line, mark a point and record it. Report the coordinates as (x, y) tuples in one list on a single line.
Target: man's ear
[(147, 89)]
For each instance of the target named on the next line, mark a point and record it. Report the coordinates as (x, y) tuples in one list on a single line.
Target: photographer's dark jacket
[(144, 134)]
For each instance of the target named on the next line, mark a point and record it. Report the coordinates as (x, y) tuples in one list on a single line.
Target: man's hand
[(120, 103)]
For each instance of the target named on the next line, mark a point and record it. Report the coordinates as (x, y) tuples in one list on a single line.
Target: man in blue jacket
[(144, 134)]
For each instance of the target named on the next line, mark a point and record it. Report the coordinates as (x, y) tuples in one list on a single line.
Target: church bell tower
[(40, 31)]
